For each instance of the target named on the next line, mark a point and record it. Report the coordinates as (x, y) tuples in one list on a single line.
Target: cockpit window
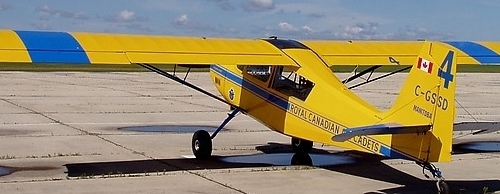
[(286, 44), (292, 84), (240, 67), (260, 72)]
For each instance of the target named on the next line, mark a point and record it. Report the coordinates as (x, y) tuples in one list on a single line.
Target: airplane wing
[(40, 47), (381, 129), (405, 52), (478, 127)]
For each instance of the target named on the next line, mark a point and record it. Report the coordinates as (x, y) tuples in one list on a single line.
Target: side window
[(260, 72), (292, 84)]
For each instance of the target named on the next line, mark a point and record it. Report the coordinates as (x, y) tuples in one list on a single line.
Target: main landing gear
[(301, 147), (201, 144), (436, 173)]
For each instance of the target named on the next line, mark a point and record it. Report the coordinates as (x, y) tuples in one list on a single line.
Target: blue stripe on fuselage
[(480, 53), (391, 153), (277, 101), (53, 47)]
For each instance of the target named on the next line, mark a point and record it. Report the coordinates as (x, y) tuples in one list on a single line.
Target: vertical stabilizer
[(427, 98)]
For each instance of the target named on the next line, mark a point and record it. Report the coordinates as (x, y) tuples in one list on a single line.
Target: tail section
[(426, 98)]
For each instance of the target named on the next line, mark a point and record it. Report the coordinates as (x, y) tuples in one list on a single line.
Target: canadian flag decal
[(424, 65)]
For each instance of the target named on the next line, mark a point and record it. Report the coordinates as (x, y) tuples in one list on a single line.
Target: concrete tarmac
[(80, 132)]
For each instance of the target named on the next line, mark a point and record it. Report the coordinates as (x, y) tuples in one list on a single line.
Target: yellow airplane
[(288, 85)]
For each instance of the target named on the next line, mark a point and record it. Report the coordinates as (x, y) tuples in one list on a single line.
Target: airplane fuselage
[(326, 111)]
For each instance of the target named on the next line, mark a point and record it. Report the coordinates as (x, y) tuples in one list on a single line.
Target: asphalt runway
[(80, 132)]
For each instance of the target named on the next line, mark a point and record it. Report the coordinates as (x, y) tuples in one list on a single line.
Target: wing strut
[(356, 76), (371, 70), (380, 77), (181, 81)]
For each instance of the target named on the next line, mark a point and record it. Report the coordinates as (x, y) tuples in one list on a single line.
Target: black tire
[(301, 146), (301, 159), (443, 187), (201, 144)]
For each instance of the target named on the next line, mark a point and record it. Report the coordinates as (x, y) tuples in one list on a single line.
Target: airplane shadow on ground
[(476, 147), (275, 154)]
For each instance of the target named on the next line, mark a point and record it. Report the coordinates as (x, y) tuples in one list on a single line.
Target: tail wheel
[(201, 144), (443, 187), (301, 146)]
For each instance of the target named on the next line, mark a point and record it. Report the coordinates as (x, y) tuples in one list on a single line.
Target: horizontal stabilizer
[(481, 127), (382, 129)]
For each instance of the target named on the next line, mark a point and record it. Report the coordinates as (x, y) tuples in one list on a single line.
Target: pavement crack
[(44, 115), (199, 175), (82, 131), (122, 146)]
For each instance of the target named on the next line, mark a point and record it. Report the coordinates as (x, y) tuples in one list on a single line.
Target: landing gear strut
[(436, 174), (201, 143)]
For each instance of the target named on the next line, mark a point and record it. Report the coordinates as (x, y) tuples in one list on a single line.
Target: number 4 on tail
[(445, 71)]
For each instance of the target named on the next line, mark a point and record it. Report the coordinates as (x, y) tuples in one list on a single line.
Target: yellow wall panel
[(12, 48)]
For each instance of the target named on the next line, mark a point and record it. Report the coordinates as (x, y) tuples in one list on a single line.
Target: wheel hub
[(197, 145)]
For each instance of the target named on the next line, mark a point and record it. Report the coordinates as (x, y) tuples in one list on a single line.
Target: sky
[(290, 19)]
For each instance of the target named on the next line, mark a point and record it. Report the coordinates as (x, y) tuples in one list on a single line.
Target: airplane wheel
[(301, 159), (201, 144), (301, 146), (443, 187)]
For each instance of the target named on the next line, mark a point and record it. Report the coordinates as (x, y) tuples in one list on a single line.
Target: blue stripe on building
[(53, 47), (480, 53)]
